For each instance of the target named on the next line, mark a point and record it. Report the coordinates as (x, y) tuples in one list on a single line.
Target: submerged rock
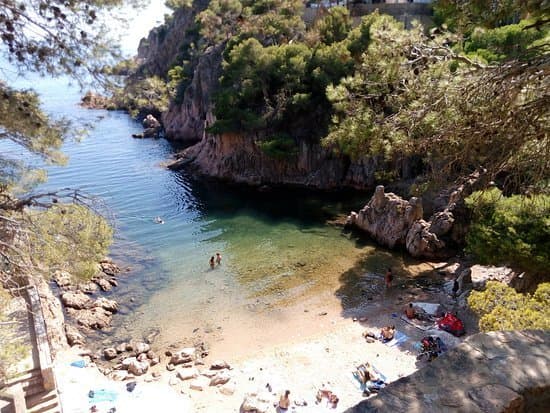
[(109, 305), (94, 318), (76, 300)]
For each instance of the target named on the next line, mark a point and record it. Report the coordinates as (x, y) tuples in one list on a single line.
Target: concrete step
[(31, 389), (45, 402), (24, 376), (30, 381)]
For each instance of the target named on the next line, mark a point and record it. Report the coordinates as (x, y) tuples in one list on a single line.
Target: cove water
[(280, 252)]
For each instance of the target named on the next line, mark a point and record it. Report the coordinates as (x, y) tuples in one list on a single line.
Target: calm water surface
[(278, 248)]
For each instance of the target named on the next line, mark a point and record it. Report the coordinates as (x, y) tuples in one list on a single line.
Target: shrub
[(512, 230), (502, 308)]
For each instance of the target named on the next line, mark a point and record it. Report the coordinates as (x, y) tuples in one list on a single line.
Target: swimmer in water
[(159, 220)]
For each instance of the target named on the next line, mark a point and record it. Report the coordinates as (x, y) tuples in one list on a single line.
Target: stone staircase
[(36, 399)]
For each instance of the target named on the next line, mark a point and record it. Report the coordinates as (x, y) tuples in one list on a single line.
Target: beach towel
[(398, 338), (421, 325), (102, 395), (79, 363), (429, 308)]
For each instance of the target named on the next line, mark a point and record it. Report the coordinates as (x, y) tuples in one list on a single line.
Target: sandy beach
[(319, 349)]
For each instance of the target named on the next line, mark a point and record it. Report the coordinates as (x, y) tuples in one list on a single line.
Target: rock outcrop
[(188, 120), (392, 221), (93, 100), (156, 53), (497, 372), (238, 158)]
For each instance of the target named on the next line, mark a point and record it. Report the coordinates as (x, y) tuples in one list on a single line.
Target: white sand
[(303, 364)]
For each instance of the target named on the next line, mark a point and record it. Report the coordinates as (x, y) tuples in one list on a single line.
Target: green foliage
[(148, 95), (362, 102), (464, 15), (513, 230), (334, 26), (178, 4), (271, 85), (512, 41), (69, 237), (502, 308), (279, 147)]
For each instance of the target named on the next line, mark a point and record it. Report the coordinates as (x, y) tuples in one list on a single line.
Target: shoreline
[(303, 362)]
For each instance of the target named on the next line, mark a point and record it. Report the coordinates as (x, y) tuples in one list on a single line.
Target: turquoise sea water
[(279, 248)]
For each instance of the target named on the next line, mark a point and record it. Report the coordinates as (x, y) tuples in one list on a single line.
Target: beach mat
[(102, 395), (418, 324), (432, 309), (398, 338)]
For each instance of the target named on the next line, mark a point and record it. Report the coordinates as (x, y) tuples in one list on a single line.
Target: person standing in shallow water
[(212, 262), (388, 278), (218, 258)]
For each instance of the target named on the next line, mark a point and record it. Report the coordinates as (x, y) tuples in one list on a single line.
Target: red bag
[(451, 324)]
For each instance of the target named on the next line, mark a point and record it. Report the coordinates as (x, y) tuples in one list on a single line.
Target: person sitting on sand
[(333, 400), (284, 402), (212, 262), (410, 311), (387, 333), (218, 258)]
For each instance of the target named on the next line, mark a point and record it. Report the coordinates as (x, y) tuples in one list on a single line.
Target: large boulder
[(76, 300), (504, 372), (138, 368), (95, 318), (73, 336), (62, 278), (480, 274), (392, 221), (421, 242), (109, 353), (103, 283), (221, 378), (109, 267), (387, 217), (187, 373), (185, 355)]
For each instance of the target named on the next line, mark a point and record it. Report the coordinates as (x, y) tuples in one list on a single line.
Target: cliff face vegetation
[(261, 98), (268, 100)]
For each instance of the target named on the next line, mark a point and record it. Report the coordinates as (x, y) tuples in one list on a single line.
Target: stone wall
[(496, 372)]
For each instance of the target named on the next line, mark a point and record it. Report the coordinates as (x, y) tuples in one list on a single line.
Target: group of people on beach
[(215, 260)]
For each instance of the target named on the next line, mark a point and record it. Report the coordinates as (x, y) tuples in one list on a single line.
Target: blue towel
[(79, 363), (398, 338), (102, 395)]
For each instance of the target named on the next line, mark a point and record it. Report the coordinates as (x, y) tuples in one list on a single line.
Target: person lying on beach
[(387, 333)]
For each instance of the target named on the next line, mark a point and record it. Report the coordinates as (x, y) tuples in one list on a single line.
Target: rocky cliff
[(187, 121), (393, 221), (237, 158), (157, 52)]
